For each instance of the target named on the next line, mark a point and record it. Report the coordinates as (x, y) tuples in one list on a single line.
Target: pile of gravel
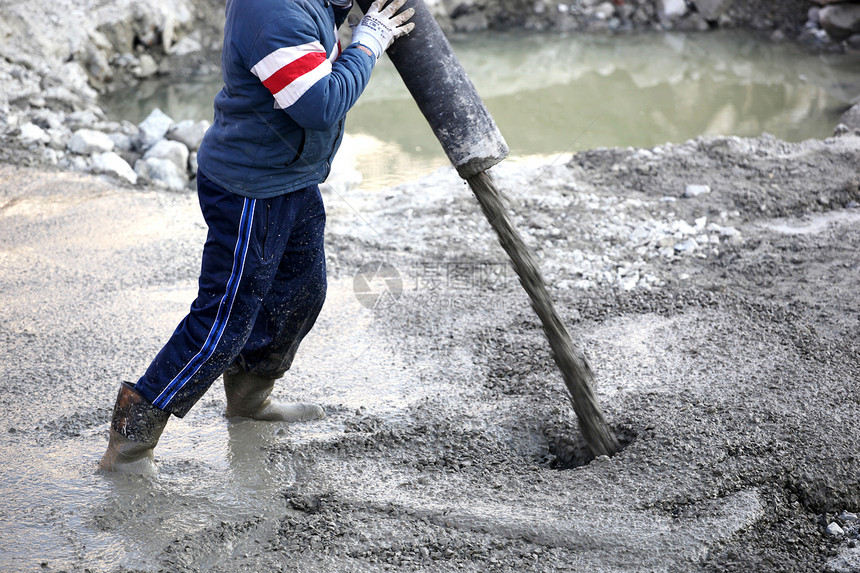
[(158, 151)]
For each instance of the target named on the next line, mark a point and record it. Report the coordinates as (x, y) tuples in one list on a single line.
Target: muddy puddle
[(212, 470)]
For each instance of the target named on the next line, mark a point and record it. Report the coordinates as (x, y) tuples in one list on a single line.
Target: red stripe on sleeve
[(295, 69)]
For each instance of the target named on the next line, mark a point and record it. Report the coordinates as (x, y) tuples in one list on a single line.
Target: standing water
[(553, 94)]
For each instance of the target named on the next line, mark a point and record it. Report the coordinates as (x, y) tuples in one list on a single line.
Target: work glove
[(381, 26)]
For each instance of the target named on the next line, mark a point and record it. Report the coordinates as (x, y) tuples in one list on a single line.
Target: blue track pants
[(262, 285)]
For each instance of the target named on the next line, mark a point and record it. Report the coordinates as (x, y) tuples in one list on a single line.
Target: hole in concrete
[(569, 450)]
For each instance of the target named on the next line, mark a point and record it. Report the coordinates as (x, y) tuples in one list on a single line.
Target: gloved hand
[(380, 27)]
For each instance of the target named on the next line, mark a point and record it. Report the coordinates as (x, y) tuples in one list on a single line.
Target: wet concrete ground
[(731, 371)]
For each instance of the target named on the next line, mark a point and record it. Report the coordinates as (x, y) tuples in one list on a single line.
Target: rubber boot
[(134, 431), (248, 397)]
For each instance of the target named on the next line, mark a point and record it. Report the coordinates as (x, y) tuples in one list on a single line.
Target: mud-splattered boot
[(248, 397), (134, 432)]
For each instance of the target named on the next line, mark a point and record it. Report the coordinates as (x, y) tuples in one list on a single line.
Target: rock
[(146, 67), (47, 119), (840, 130), (82, 119), (36, 100), (731, 235), (162, 172), (96, 64), (121, 141), (629, 282), (173, 151), (168, 28), (187, 45), (127, 60), (89, 141), (111, 163), (604, 11), (75, 163), (10, 120), (694, 22), (848, 517), (192, 163), (59, 137), (59, 98), (687, 246), (154, 26), (32, 133), (72, 78), (696, 190), (833, 530), (153, 128), (712, 9), (841, 21), (51, 156), (189, 133), (851, 118), (682, 227), (671, 9)]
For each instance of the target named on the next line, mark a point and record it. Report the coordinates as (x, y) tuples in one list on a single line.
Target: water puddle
[(211, 471), (54, 500)]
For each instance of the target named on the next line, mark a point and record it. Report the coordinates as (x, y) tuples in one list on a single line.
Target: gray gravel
[(730, 377)]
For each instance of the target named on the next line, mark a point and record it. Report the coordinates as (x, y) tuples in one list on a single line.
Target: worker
[(278, 123)]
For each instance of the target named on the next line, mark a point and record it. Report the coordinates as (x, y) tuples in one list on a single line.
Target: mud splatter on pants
[(262, 285)]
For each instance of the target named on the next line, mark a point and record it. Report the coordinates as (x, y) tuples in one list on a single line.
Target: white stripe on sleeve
[(283, 57), (291, 94)]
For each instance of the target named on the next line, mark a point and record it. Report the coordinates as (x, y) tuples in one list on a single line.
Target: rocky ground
[(713, 285)]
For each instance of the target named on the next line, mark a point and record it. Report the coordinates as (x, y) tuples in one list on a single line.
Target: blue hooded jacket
[(287, 88)]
